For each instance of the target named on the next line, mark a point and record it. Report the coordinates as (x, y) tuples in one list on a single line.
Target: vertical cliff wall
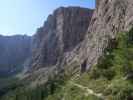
[(109, 18), (61, 33), (97, 2), (63, 39)]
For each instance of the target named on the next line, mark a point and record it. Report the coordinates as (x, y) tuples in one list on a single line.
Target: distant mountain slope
[(14, 50)]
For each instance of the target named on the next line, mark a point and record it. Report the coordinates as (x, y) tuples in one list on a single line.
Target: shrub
[(120, 90)]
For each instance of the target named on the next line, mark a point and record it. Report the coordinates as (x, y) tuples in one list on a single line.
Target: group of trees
[(41, 92)]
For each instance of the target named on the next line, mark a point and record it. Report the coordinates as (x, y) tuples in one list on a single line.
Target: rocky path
[(88, 91)]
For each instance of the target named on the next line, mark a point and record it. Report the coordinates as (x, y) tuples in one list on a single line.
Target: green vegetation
[(18, 91), (110, 79), (113, 75), (7, 84)]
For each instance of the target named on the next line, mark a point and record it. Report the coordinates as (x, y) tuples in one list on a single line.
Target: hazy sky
[(25, 16)]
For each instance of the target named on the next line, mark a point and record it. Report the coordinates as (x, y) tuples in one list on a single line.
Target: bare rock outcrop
[(63, 41), (109, 18), (63, 31)]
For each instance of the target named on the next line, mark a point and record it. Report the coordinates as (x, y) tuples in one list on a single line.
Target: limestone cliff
[(110, 18), (84, 48), (61, 33), (64, 39)]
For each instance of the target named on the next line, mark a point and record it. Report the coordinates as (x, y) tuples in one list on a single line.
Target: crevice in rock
[(84, 66)]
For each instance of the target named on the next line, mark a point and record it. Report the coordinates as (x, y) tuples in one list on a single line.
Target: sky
[(25, 16)]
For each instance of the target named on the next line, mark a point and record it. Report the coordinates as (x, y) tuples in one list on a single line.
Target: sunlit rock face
[(72, 35), (109, 18), (61, 33)]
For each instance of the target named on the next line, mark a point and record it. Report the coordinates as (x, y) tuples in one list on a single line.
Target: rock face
[(14, 50), (110, 17), (97, 3), (61, 33), (63, 40)]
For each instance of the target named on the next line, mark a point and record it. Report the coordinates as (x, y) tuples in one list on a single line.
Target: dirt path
[(88, 91)]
